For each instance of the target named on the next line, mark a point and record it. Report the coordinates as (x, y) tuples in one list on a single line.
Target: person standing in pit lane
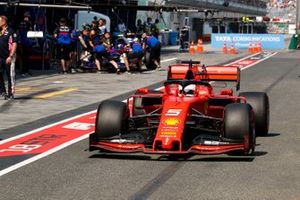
[(73, 51), (154, 46), (63, 36), (25, 44), (8, 47), (155, 29), (97, 47), (147, 25)]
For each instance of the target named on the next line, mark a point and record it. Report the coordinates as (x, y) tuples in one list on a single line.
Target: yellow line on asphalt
[(56, 93), (22, 90)]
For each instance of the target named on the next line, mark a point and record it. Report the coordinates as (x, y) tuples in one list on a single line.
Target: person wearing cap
[(8, 47), (25, 44), (64, 40)]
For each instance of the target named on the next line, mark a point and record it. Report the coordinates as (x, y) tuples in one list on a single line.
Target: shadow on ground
[(186, 158)]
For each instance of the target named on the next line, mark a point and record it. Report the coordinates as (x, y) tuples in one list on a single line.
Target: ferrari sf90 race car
[(186, 116)]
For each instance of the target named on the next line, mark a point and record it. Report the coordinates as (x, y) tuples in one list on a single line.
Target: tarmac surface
[(74, 173)]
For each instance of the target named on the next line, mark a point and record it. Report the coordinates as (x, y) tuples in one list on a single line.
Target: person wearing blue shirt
[(101, 48), (154, 46), (135, 51), (97, 47), (64, 40)]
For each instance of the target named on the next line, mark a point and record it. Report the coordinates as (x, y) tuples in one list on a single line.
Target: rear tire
[(111, 119), (259, 102), (238, 125), (150, 65)]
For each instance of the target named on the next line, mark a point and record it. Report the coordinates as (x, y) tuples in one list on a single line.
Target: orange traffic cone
[(224, 48), (200, 46), (259, 47), (256, 49), (250, 48), (232, 50), (192, 48)]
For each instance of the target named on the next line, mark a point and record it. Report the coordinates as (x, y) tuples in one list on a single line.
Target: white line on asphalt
[(167, 60), (60, 147), (273, 54), (241, 59)]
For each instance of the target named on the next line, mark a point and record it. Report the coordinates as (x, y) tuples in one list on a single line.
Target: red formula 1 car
[(185, 117)]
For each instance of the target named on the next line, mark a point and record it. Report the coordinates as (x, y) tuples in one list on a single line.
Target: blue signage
[(242, 41)]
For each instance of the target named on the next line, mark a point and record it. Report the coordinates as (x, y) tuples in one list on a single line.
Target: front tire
[(238, 125), (111, 119), (259, 102)]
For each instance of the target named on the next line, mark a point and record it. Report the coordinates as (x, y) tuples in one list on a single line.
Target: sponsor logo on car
[(168, 133), (172, 121), (173, 112)]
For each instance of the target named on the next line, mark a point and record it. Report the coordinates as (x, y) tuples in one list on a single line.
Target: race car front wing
[(208, 147)]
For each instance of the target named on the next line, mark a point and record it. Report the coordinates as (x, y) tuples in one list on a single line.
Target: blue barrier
[(173, 38), (242, 41)]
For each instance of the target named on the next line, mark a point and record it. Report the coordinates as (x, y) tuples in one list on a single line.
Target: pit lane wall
[(242, 41)]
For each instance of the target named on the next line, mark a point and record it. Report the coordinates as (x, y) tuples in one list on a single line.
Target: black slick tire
[(259, 102), (111, 119), (238, 125), (150, 65)]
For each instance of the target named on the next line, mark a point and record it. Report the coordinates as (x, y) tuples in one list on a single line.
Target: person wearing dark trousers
[(63, 36), (25, 44), (135, 51), (153, 44), (8, 47)]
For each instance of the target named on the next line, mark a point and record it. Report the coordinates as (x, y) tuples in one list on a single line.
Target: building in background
[(202, 16), (212, 16), (282, 16)]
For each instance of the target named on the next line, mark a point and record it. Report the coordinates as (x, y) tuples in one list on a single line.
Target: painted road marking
[(22, 90), (168, 60), (42, 155), (251, 60), (44, 140), (268, 56), (52, 138), (44, 127), (53, 94)]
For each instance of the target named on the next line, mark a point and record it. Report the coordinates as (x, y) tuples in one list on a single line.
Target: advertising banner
[(242, 41)]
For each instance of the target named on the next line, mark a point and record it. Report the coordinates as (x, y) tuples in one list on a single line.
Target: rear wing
[(193, 70)]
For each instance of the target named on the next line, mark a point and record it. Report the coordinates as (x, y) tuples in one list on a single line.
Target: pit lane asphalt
[(273, 173)]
